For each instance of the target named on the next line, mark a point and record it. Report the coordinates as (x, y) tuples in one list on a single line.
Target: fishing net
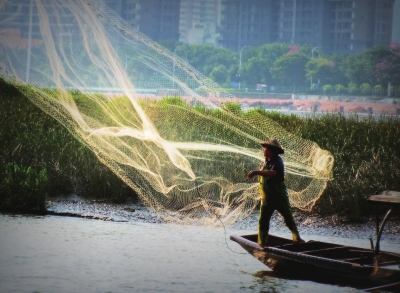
[(165, 129)]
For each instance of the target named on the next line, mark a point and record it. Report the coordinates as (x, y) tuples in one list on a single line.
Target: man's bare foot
[(299, 240)]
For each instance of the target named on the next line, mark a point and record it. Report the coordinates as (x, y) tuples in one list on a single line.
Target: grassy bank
[(34, 145)]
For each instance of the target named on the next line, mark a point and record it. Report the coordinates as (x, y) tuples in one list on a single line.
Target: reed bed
[(366, 151), (36, 143)]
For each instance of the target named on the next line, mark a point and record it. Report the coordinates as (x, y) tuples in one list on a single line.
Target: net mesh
[(186, 158)]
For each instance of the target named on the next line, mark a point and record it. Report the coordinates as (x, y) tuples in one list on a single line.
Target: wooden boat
[(362, 267)]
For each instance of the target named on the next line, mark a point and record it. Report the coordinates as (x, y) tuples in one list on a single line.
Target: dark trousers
[(272, 202)]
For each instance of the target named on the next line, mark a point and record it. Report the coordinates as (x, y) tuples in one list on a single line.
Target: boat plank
[(309, 245), (330, 249)]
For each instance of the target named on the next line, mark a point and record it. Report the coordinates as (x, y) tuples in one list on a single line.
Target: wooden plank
[(387, 196), (392, 200), (325, 249), (313, 243), (389, 286)]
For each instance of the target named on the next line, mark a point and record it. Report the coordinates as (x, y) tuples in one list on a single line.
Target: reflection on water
[(57, 254)]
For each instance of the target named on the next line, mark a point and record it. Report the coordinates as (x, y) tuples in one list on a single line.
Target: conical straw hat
[(275, 144)]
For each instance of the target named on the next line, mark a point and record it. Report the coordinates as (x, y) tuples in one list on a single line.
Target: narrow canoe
[(318, 259)]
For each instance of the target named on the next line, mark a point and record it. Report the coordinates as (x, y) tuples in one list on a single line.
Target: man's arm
[(268, 173)]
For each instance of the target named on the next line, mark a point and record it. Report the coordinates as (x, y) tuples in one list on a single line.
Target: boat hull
[(304, 260)]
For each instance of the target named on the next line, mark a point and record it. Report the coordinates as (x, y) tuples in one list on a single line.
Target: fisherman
[(274, 195)]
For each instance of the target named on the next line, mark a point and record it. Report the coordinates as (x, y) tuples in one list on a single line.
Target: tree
[(388, 70), (206, 57), (254, 71), (233, 73), (219, 74), (338, 72), (271, 52), (361, 68), (290, 69), (321, 68)]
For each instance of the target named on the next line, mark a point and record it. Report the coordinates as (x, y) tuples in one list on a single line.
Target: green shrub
[(340, 89), (353, 89), (173, 101), (365, 89), (378, 89), (232, 107), (219, 74), (314, 87), (22, 188), (327, 88), (30, 138)]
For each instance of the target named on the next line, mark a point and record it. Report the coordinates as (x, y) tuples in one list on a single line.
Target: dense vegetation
[(298, 68), (40, 157)]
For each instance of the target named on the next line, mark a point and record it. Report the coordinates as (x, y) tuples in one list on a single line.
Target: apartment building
[(248, 23), (302, 21), (358, 25), (24, 19), (158, 19), (199, 21), (396, 23), (336, 26), (129, 10)]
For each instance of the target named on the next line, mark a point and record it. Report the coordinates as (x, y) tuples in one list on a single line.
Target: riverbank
[(309, 223)]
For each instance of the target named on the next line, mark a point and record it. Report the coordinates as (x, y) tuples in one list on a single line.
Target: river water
[(61, 254)]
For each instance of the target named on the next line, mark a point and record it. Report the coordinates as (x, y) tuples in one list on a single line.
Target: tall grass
[(30, 139), (366, 151), (22, 188)]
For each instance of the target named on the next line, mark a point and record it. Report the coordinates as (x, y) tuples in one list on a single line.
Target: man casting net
[(116, 91)]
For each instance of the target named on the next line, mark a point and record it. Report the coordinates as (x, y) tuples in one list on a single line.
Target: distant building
[(129, 10), (396, 22), (336, 26), (250, 23), (303, 21), (199, 21), (23, 18), (21, 25), (358, 25), (158, 19)]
